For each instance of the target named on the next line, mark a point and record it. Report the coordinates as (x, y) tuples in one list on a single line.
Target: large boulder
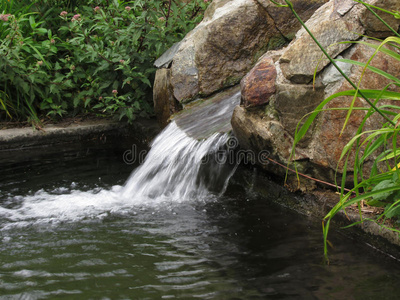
[(229, 45), (330, 28), (335, 22), (329, 140), (373, 26)]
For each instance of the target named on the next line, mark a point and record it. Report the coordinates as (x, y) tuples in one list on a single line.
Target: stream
[(73, 227)]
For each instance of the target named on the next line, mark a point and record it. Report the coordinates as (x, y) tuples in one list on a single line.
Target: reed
[(380, 187)]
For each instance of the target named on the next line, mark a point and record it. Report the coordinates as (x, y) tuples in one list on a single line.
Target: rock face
[(376, 28), (164, 102), (222, 48), (273, 125), (220, 51), (329, 28), (330, 123), (237, 42)]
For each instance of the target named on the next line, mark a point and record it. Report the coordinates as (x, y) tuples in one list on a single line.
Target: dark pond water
[(65, 236)]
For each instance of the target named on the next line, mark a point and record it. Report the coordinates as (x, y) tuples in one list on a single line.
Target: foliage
[(380, 187), (97, 58)]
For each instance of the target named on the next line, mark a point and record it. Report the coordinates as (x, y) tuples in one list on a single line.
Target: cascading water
[(177, 168), (172, 167)]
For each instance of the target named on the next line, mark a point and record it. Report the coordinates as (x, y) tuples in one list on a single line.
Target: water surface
[(65, 235)]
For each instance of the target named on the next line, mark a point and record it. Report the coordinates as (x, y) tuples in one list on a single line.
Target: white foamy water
[(172, 166), (173, 171)]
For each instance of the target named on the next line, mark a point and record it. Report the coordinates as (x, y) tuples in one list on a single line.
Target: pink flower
[(40, 63), (122, 61), (5, 17), (128, 8), (161, 19), (97, 8), (100, 98), (76, 18), (52, 41), (63, 13), (114, 92), (205, 1)]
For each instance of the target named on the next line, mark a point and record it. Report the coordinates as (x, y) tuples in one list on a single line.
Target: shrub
[(97, 58)]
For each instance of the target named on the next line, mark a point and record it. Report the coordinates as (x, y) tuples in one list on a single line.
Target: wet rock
[(205, 117), (266, 141), (256, 131), (259, 84)]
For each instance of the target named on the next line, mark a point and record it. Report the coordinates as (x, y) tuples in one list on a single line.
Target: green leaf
[(373, 69), (41, 30), (76, 101), (54, 89), (129, 113), (392, 210), (87, 102), (381, 186), (32, 22), (146, 81)]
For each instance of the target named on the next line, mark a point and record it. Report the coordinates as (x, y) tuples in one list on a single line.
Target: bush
[(98, 58)]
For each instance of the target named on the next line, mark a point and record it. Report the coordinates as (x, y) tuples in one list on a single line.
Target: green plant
[(58, 62), (381, 186)]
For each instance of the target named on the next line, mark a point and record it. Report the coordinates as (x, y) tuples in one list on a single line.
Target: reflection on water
[(238, 246)]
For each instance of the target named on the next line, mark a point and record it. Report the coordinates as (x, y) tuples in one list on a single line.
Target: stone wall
[(216, 55), (295, 95), (264, 47)]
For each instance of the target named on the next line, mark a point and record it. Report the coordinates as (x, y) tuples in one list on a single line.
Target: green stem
[(368, 6), (290, 5)]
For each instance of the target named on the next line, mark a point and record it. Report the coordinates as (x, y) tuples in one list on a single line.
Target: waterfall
[(173, 166), (190, 159), (179, 166)]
